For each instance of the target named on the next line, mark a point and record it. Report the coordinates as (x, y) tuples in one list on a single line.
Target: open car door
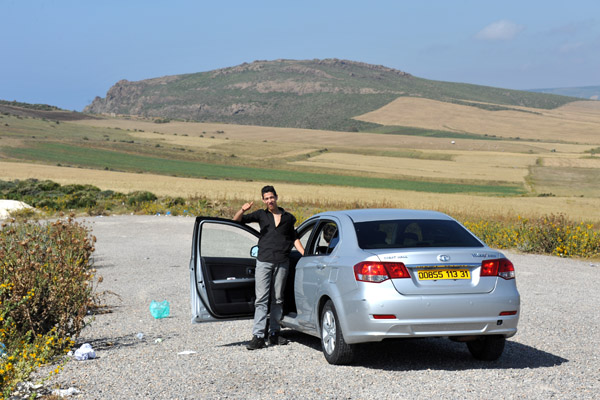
[(222, 270)]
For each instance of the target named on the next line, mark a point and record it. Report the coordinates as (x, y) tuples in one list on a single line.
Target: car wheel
[(487, 348), (335, 348)]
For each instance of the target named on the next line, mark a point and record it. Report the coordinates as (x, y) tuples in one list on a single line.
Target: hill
[(315, 94), (584, 92), (41, 111)]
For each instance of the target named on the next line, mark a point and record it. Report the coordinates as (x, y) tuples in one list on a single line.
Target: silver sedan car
[(367, 275)]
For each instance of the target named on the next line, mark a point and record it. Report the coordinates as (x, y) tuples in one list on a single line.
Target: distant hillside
[(584, 92), (40, 111), (317, 94)]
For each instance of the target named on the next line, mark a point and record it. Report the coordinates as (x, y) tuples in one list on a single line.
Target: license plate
[(439, 274)]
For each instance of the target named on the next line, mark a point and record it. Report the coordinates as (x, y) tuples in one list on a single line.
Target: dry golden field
[(551, 157), (511, 161), (173, 132), (576, 122), (478, 166), (584, 209)]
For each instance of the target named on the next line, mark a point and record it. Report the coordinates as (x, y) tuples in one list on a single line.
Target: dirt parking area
[(555, 354)]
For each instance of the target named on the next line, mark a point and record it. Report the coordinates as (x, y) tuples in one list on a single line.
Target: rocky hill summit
[(319, 94)]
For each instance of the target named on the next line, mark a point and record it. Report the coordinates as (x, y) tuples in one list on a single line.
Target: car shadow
[(434, 353)]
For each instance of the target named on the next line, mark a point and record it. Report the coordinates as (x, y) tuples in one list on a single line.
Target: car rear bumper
[(427, 316)]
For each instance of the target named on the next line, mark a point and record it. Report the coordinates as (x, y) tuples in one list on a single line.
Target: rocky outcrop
[(319, 94), (241, 91)]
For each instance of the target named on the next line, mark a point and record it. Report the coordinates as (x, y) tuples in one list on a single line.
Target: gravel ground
[(142, 258)]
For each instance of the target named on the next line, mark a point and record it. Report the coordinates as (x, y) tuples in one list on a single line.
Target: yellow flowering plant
[(46, 289)]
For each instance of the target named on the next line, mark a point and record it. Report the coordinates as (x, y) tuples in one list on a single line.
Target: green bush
[(177, 201), (46, 289), (81, 199), (551, 234), (75, 188), (50, 195), (136, 198)]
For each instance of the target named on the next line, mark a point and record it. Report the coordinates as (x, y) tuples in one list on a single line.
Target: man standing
[(277, 236)]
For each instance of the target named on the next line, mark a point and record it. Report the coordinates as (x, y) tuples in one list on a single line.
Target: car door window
[(326, 238), (220, 240), (304, 235)]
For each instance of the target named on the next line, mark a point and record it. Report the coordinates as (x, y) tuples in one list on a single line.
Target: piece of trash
[(160, 310), (85, 352), (65, 392), (186, 352), (140, 335), (2, 349), (157, 340), (168, 213)]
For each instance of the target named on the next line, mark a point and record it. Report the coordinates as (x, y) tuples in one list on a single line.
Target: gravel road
[(555, 354)]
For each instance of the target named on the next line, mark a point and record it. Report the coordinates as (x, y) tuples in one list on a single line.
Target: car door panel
[(230, 284)]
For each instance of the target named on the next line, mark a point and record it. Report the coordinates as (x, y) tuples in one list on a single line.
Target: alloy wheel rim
[(329, 329)]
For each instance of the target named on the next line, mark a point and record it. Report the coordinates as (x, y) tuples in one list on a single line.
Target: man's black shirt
[(275, 243)]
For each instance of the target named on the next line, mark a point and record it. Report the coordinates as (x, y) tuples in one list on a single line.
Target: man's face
[(270, 200)]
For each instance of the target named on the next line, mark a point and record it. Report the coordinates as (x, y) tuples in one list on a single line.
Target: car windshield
[(407, 233)]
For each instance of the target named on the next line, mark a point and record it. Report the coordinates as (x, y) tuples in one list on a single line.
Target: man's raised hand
[(247, 206)]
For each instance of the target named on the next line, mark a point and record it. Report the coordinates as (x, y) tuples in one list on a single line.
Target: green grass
[(38, 128), (56, 153), (43, 107), (412, 131), (409, 153)]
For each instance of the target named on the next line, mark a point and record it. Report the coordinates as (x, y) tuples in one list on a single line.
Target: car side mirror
[(254, 251)]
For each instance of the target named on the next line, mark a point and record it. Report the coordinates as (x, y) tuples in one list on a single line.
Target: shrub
[(81, 199), (551, 234), (177, 201), (73, 188), (24, 214), (135, 198), (46, 290)]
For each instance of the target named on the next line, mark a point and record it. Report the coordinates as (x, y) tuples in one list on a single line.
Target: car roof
[(382, 214)]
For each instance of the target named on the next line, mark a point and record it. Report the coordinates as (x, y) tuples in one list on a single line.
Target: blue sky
[(66, 52)]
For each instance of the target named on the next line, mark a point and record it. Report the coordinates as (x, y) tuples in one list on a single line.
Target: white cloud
[(570, 47), (500, 30)]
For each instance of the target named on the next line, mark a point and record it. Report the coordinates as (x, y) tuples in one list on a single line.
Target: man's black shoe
[(276, 340), (256, 343)]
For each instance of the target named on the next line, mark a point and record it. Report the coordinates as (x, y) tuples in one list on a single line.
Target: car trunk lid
[(447, 271)]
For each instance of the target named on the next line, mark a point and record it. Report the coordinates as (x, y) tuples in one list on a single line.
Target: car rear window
[(408, 233)]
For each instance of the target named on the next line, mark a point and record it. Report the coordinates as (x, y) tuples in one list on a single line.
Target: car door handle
[(321, 266)]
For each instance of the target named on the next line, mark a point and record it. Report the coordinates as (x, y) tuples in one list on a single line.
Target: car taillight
[(375, 271), (501, 267)]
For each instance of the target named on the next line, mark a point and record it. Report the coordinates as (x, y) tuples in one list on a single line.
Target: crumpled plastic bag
[(85, 352), (65, 392), (160, 310)]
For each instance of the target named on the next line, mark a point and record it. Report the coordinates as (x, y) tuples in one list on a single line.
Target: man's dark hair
[(268, 189)]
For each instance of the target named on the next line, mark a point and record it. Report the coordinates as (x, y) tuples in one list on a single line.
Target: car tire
[(335, 348), (487, 348)]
